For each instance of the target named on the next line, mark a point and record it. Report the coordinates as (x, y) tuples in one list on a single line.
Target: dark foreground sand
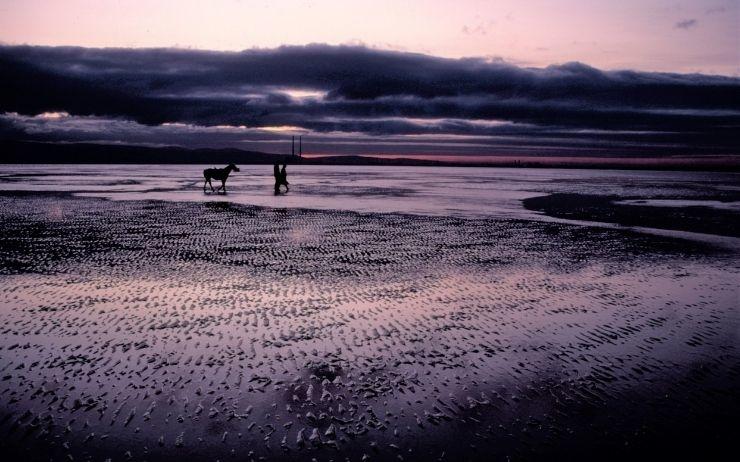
[(170, 331)]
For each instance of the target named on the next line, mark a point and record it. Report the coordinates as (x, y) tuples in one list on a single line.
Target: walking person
[(284, 178), (278, 177)]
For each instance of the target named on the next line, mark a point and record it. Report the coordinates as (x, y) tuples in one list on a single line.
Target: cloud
[(340, 93), (715, 9), (480, 28), (686, 24), (395, 135)]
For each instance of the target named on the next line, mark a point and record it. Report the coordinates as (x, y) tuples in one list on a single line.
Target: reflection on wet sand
[(151, 330)]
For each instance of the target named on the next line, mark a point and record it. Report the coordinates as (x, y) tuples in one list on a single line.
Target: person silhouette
[(284, 178), (278, 177)]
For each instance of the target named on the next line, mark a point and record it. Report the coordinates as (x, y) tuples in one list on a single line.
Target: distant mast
[(292, 146), (300, 146)]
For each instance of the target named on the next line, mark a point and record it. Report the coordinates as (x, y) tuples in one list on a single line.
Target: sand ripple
[(154, 331)]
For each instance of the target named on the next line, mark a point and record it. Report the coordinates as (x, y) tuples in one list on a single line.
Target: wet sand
[(701, 218), (146, 330)]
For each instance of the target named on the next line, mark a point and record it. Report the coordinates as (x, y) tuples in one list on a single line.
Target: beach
[(408, 314)]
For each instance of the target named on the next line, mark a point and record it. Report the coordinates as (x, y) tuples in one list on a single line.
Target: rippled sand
[(161, 331)]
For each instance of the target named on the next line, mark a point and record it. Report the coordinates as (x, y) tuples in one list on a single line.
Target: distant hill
[(29, 152), (368, 160), (33, 152)]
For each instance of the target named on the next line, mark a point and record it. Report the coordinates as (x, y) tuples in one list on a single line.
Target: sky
[(568, 77), (654, 35)]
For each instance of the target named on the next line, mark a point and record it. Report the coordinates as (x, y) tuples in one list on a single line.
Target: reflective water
[(440, 191)]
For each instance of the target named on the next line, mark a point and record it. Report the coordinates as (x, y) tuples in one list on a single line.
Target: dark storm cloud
[(369, 92)]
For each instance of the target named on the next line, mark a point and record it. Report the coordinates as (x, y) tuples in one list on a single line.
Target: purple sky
[(572, 77), (652, 35)]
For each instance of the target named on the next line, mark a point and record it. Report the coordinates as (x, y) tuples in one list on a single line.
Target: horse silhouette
[(218, 174)]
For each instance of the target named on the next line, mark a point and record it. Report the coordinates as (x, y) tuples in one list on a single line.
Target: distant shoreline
[(28, 152)]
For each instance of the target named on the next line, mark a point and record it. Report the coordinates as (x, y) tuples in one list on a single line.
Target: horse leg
[(205, 182), (223, 185)]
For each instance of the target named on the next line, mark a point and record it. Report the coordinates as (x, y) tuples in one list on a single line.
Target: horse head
[(233, 167)]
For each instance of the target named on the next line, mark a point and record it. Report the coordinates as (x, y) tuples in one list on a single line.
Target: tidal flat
[(143, 329)]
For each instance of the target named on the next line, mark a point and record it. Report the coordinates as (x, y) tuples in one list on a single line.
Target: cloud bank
[(350, 100)]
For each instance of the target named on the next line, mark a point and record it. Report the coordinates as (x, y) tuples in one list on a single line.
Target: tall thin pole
[(300, 146), (292, 146)]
